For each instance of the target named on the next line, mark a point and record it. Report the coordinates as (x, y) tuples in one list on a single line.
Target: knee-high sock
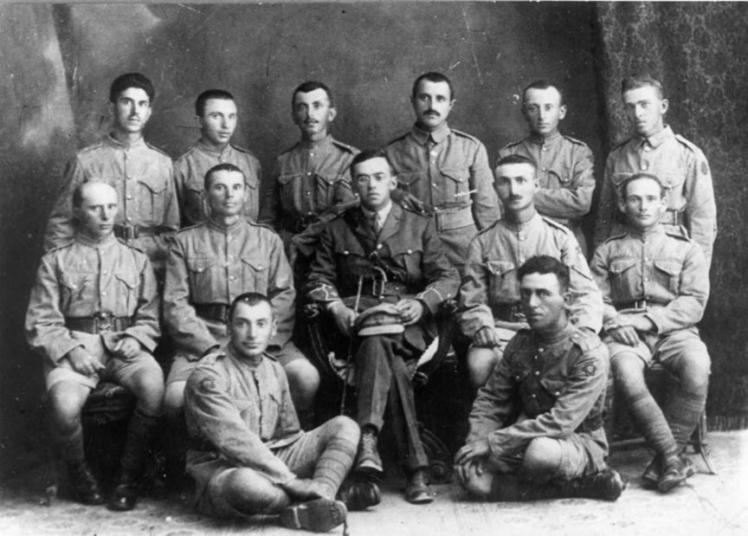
[(683, 410), (651, 422), (335, 462), (69, 447)]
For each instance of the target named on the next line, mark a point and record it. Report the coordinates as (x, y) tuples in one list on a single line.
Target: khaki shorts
[(663, 348), (115, 369)]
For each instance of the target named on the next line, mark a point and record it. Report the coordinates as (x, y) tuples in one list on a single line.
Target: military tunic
[(545, 388), (81, 279), (448, 171), (211, 264), (308, 179), (660, 273), (143, 178), (682, 168), (189, 174), (565, 177), (490, 289)]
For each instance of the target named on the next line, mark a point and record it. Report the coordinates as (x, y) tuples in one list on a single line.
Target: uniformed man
[(678, 163), (564, 164), (209, 265), (312, 176), (248, 455), (141, 174), (489, 303), (93, 315), (444, 170), (655, 283), (217, 116), (536, 427), (380, 237)]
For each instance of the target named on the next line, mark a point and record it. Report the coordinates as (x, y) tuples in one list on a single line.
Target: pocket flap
[(155, 185), (553, 386), (130, 280), (618, 266), (256, 263), (499, 267), (457, 175), (408, 178), (288, 177), (668, 266), (199, 264)]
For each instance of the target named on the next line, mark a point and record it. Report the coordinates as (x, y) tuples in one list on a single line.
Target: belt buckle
[(640, 304), (104, 321), (129, 231)]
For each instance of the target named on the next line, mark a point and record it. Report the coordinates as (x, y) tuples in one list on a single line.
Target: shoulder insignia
[(68, 243), (271, 357), (162, 153), (586, 340), (512, 144), (679, 232), (349, 148), (486, 229), (574, 140), (130, 246), (243, 150), (615, 237), (619, 145), (402, 137), (556, 225), (288, 150), (191, 227), (691, 146), (261, 225), (90, 148), (465, 135)]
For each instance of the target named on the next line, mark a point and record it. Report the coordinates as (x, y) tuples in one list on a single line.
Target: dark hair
[(78, 191), (250, 298), (542, 84), (433, 77), (206, 95), (636, 81), (225, 166), (128, 80), (368, 154), (515, 159), (638, 176), (545, 264), (311, 85)]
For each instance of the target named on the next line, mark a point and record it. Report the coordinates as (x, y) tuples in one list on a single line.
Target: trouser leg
[(373, 380), (243, 491)]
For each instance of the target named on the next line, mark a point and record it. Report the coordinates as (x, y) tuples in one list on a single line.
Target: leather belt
[(672, 217), (453, 217), (508, 312), (640, 304), (218, 312), (127, 231), (377, 288), (101, 322)]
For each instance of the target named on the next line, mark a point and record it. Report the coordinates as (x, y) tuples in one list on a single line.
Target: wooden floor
[(709, 505)]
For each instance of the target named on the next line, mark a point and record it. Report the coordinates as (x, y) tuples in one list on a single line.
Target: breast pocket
[(293, 194), (271, 405), (557, 178), (667, 273), (553, 387), (151, 200), (126, 292), (254, 274), (195, 203), (75, 288), (409, 259), (673, 183), (502, 281), (324, 192), (455, 186), (409, 182), (247, 412), (202, 279), (623, 284)]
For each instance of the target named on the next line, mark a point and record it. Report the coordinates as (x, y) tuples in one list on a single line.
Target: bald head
[(94, 208)]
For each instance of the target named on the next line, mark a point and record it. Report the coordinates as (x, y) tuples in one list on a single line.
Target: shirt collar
[(316, 144), (643, 235), (140, 142), (438, 135), (210, 149), (231, 228), (538, 139), (86, 240), (655, 140), (381, 213)]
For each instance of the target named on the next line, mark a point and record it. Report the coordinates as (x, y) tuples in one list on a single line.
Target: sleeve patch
[(704, 168), (207, 385), (589, 370)]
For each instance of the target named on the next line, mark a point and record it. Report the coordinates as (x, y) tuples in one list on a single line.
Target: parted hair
[(311, 85), (545, 264), (435, 77), (639, 176), (250, 298), (542, 84), (208, 94), (636, 81), (128, 80), (368, 154), (514, 159)]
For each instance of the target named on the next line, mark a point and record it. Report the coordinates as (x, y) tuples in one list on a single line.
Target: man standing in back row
[(564, 164), (445, 171), (216, 112), (141, 174), (655, 149)]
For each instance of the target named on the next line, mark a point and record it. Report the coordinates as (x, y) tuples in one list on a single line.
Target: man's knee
[(66, 401), (481, 362), (174, 399), (303, 381), (628, 372), (344, 428), (148, 387), (693, 369), (542, 457), (249, 492)]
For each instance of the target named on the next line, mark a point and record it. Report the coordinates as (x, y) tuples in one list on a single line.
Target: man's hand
[(344, 317), (410, 310), (82, 362), (486, 337), (629, 327), (127, 348), (470, 460), (304, 488), (625, 335)]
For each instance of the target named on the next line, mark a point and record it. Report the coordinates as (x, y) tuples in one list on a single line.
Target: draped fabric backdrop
[(57, 62)]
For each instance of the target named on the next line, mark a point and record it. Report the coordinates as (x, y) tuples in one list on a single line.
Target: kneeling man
[(536, 427), (93, 315), (248, 454)]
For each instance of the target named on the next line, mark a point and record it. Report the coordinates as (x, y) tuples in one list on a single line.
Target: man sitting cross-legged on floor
[(247, 453), (536, 427)]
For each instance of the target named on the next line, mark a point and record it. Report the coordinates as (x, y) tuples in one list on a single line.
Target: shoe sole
[(319, 515), (369, 467)]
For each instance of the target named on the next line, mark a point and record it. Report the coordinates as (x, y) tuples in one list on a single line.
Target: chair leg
[(700, 446)]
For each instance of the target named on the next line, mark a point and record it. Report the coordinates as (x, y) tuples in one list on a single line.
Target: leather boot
[(84, 486), (418, 491), (140, 432), (675, 471), (368, 455), (607, 485), (359, 494)]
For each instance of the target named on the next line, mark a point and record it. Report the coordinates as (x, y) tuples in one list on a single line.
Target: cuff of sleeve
[(658, 322), (62, 349), (324, 294), (431, 298), (146, 342)]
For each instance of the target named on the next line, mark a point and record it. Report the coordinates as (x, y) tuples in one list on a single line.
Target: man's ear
[(665, 104), (274, 328), (561, 112), (332, 114)]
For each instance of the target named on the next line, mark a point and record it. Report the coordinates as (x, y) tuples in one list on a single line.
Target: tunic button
[(533, 395), (410, 251), (644, 166), (433, 184), (537, 373), (307, 194), (308, 172), (128, 196), (103, 293), (379, 246), (232, 278)]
